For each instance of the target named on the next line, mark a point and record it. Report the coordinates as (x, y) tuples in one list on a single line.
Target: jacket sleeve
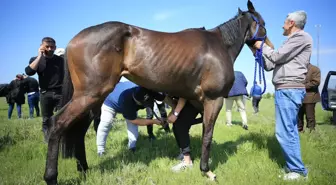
[(291, 48), (29, 71), (268, 65), (315, 79), (246, 82), (11, 86)]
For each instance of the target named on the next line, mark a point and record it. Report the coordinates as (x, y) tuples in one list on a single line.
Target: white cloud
[(161, 16)]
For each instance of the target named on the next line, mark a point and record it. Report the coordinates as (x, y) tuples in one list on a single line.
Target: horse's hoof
[(51, 182), (210, 175)]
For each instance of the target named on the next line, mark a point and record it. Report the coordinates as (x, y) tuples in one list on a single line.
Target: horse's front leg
[(211, 111), (80, 153)]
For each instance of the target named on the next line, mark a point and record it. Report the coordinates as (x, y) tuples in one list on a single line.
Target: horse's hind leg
[(96, 116), (211, 111), (73, 143), (76, 108)]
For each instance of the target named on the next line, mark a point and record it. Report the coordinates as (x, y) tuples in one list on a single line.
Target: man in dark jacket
[(16, 95), (256, 96), (312, 83), (50, 70), (32, 89), (3, 90)]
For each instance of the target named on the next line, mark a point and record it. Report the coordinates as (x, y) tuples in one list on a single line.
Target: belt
[(31, 93), (56, 90)]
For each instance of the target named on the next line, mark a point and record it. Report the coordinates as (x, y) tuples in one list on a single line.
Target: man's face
[(49, 48), (287, 27)]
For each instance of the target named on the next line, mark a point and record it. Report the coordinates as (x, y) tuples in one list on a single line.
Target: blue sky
[(25, 23)]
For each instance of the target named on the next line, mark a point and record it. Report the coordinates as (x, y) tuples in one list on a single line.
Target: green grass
[(238, 156)]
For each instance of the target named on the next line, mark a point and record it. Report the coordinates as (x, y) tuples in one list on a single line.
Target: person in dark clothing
[(4, 90), (150, 115), (126, 99), (312, 82), (183, 116), (32, 89), (256, 96), (16, 95), (50, 70)]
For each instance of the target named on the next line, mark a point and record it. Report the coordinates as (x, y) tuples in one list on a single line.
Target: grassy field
[(238, 156)]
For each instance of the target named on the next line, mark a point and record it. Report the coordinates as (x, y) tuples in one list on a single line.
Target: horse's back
[(151, 57)]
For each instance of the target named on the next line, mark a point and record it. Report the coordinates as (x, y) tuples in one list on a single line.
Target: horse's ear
[(240, 11), (250, 6)]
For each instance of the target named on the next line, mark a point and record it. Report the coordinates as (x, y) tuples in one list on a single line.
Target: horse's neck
[(233, 35)]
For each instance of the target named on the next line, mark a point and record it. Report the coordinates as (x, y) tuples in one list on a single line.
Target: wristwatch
[(176, 114)]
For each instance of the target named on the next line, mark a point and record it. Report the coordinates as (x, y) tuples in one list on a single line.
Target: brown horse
[(195, 64)]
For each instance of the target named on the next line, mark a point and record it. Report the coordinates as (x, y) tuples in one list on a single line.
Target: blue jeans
[(287, 105), (10, 110), (33, 102)]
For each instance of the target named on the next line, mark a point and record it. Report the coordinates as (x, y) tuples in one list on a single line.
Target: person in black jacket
[(4, 90), (150, 114), (50, 70), (16, 95), (32, 89)]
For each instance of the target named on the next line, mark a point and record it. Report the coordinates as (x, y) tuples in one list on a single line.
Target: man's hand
[(257, 44), (41, 50), (158, 122), (171, 117)]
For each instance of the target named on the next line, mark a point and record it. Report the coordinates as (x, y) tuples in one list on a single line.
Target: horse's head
[(256, 27)]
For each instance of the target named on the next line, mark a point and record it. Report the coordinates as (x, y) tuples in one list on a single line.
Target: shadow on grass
[(165, 147), (73, 181), (237, 123), (326, 122), (6, 140)]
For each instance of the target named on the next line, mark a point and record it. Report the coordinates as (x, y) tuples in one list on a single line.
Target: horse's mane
[(201, 28), (230, 30)]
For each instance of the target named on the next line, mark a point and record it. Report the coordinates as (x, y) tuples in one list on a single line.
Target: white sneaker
[(101, 154), (181, 166), (291, 176), (229, 124)]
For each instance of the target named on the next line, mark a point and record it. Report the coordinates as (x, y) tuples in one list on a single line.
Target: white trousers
[(241, 106), (107, 119)]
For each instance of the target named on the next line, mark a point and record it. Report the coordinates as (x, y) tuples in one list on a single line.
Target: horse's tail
[(67, 145), (67, 88), (72, 139)]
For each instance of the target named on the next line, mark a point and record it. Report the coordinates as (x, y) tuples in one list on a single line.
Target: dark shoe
[(245, 127), (166, 128), (101, 154), (132, 150), (151, 137), (180, 157)]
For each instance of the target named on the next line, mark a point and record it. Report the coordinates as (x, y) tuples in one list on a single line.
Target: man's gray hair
[(299, 17)]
